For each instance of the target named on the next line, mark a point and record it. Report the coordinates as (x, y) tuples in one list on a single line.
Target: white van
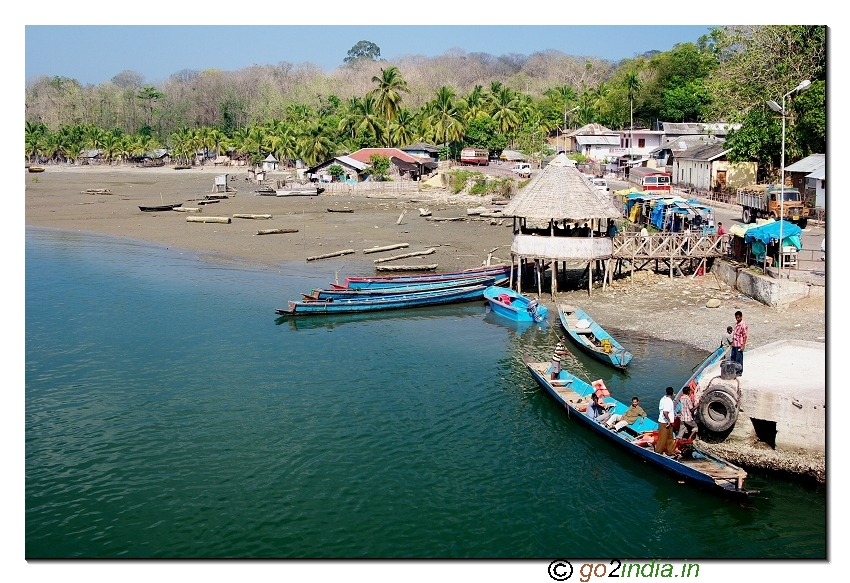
[(600, 184), (522, 169)]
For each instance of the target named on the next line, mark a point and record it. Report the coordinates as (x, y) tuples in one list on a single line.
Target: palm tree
[(367, 118), (505, 110), (444, 118), (633, 85), (403, 130), (313, 145), (475, 102), (388, 93)]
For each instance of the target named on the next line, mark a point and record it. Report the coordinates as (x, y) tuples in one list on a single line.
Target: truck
[(765, 201)]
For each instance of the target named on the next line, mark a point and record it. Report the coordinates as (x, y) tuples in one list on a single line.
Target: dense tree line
[(454, 100)]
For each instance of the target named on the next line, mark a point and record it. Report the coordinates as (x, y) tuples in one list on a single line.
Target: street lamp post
[(781, 110)]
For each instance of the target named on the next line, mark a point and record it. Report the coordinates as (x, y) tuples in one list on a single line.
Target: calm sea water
[(170, 413)]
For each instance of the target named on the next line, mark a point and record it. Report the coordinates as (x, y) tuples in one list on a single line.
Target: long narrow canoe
[(300, 191), (693, 466), (397, 280), (162, 207), (411, 300), (591, 338), (345, 293), (513, 305)]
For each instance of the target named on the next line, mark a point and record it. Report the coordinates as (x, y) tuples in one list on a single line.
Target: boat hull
[(345, 293), (586, 338), (397, 280), (164, 207), (704, 470), (311, 191), (394, 302), (514, 306)]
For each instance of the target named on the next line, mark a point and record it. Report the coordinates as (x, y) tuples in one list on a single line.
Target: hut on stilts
[(560, 217)]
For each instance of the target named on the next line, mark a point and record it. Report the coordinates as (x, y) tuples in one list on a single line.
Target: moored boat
[(345, 293), (397, 280), (513, 305), (300, 191), (591, 338), (693, 466), (410, 300), (162, 207)]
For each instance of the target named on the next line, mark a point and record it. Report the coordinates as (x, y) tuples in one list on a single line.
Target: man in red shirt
[(720, 229), (739, 340)]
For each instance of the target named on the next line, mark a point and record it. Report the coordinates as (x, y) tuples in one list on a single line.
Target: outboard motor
[(532, 311)]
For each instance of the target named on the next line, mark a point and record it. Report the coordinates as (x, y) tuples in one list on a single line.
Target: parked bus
[(477, 156), (650, 179)]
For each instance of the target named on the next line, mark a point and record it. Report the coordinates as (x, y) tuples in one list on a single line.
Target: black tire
[(746, 215), (718, 411), (802, 223)]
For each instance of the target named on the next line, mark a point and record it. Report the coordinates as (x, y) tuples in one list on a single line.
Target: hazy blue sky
[(92, 54)]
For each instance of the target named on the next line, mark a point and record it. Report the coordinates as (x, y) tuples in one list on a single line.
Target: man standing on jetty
[(739, 340)]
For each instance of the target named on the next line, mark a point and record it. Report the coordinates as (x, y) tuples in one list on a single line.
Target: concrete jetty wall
[(767, 290)]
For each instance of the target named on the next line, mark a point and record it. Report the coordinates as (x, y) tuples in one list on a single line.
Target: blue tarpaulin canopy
[(770, 232)]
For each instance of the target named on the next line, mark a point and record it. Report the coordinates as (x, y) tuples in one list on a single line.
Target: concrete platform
[(783, 396)]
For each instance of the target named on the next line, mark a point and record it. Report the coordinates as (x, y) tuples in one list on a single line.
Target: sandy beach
[(652, 304)]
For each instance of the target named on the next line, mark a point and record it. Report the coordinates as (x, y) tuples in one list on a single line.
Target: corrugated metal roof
[(357, 164), (808, 164), (819, 174), (704, 153), (600, 140)]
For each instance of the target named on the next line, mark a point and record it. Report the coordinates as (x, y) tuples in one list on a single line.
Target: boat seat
[(642, 424), (580, 330)]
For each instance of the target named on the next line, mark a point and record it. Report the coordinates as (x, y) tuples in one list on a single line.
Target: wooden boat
[(693, 466), (299, 191), (410, 300), (35, 168), (591, 338), (162, 207), (513, 305), (397, 280), (341, 294)]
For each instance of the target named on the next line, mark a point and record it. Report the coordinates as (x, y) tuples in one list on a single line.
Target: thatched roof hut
[(560, 193)]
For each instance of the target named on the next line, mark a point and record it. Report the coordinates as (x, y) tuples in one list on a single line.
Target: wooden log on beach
[(187, 209), (335, 254), (205, 202), (430, 267), (386, 248), (97, 191), (247, 216), (276, 231), (439, 219), (406, 255), (340, 210), (225, 220)]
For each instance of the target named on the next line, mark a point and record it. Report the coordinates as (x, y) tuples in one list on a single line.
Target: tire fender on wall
[(718, 410)]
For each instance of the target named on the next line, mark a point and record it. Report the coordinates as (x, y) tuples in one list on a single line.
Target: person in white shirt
[(666, 444)]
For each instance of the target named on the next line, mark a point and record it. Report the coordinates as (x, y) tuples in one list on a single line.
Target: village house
[(428, 152), (708, 168), (354, 170), (270, 163)]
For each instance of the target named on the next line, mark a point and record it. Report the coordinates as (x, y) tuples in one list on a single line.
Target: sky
[(157, 52)]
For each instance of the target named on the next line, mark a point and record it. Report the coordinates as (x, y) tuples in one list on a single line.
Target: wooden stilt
[(589, 277)]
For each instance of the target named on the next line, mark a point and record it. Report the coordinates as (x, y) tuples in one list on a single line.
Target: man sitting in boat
[(618, 422), (596, 410)]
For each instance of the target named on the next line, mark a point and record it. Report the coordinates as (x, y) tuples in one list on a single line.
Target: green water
[(169, 413)]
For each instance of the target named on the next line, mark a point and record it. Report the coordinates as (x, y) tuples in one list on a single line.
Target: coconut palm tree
[(387, 94), (313, 144), (505, 110), (475, 102), (444, 120), (633, 86), (404, 129)]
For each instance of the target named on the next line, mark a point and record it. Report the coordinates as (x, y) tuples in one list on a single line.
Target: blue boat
[(342, 294), (693, 466), (397, 280), (392, 302), (591, 338), (513, 305)]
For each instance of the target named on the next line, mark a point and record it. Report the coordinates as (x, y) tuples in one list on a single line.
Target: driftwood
[(225, 220), (244, 216), (340, 210), (423, 212), (203, 202), (97, 191), (476, 211), (386, 248), (216, 196), (405, 255), (335, 254), (276, 231), (187, 209), (401, 216), (430, 267), (446, 218)]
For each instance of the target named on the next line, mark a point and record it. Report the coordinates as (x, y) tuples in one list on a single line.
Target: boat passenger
[(726, 341), (617, 421), (665, 443), (687, 425), (560, 350), (596, 410)]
